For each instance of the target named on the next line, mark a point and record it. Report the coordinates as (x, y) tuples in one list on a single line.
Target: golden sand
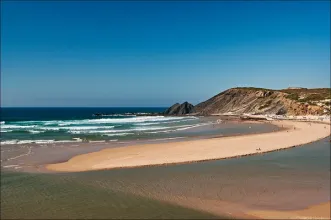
[(296, 133), (321, 211)]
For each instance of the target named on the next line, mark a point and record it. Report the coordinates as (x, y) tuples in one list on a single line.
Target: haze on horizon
[(122, 54)]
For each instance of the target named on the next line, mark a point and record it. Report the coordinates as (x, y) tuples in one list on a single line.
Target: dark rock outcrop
[(180, 109)]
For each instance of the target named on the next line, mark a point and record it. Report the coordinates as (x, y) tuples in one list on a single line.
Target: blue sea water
[(48, 125)]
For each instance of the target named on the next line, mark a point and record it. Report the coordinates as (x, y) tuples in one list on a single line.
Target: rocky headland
[(260, 101)]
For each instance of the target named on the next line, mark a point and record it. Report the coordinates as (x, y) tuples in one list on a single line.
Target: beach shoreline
[(313, 209), (294, 133), (33, 157), (319, 211)]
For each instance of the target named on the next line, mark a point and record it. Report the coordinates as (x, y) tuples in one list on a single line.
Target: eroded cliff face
[(256, 101), (291, 101)]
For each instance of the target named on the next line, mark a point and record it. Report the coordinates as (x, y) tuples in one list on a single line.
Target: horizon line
[(83, 107)]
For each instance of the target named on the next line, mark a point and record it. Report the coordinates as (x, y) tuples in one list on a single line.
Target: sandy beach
[(321, 211), (294, 134)]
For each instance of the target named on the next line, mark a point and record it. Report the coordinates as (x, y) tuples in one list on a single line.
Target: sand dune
[(296, 133)]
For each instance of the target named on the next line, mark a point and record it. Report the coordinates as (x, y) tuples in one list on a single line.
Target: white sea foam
[(72, 128), (17, 126), (97, 141), (155, 132), (2, 122), (8, 166), (49, 122), (118, 131), (35, 132), (147, 128), (118, 134), (91, 132), (9, 142), (37, 141), (128, 130), (5, 131), (50, 128), (86, 127), (67, 141), (101, 126), (66, 124), (132, 120), (120, 120)]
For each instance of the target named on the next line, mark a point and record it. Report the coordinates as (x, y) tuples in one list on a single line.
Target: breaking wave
[(25, 132), (38, 141)]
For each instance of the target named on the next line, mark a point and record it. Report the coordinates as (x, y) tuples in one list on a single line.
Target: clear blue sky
[(81, 53)]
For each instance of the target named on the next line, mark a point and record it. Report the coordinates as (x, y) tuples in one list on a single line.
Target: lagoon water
[(284, 180)]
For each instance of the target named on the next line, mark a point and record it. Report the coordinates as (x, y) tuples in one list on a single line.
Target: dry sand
[(321, 211), (296, 133)]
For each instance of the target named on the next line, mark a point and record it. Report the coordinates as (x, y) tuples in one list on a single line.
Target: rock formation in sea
[(180, 109)]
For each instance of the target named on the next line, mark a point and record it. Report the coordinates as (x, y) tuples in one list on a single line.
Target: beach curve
[(295, 133), (320, 211)]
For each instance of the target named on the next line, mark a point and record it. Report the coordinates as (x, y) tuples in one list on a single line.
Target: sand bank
[(321, 211), (297, 133)]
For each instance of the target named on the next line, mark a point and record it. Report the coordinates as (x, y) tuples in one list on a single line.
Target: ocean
[(75, 125), (31, 137), (48, 125)]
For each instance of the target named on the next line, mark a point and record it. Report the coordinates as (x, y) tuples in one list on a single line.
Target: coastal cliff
[(291, 101)]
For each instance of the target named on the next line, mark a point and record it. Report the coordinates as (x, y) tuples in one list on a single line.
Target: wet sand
[(321, 211), (296, 133)]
